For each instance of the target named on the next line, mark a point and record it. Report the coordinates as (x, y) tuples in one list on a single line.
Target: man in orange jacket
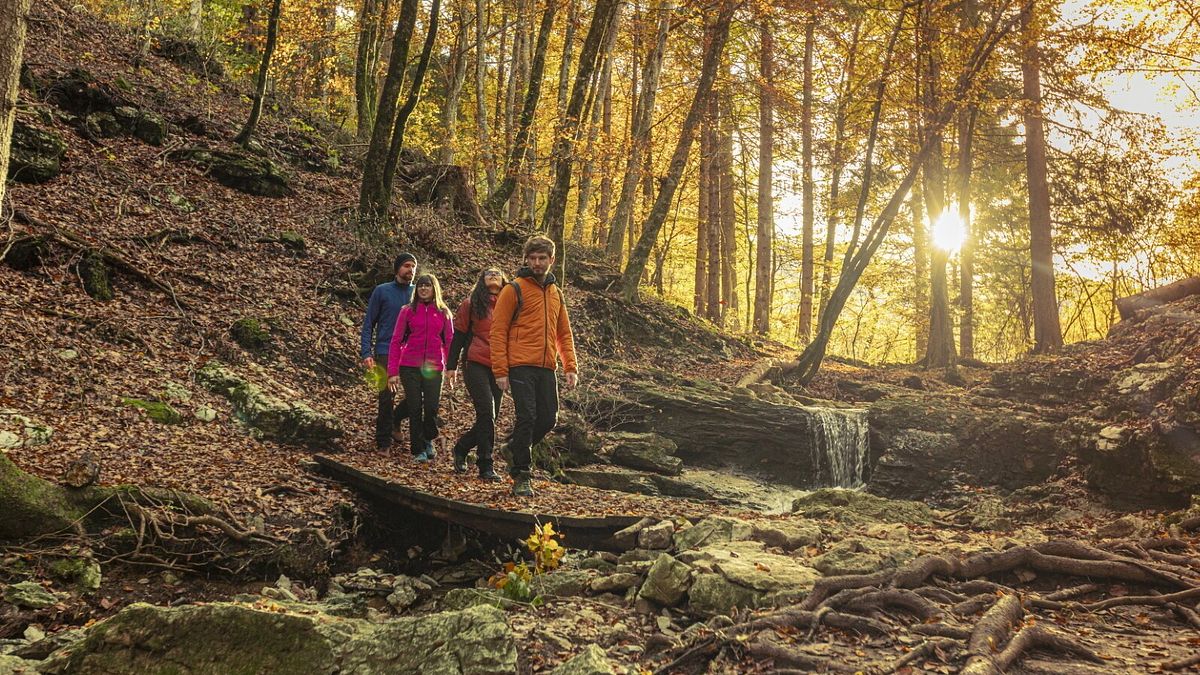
[(530, 333)]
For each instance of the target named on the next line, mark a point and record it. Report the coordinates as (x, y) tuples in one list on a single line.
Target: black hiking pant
[(535, 396), (391, 412), (423, 393), (486, 397)]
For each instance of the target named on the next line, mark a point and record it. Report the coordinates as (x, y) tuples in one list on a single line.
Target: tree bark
[(458, 77), (940, 352), (366, 63), (372, 198), (481, 116), (1047, 332), (806, 264), (632, 276), (564, 65), (1129, 306), (966, 282), (701, 300), (260, 88), (729, 296), (562, 154), (837, 164), (766, 193), (410, 104), (716, 310), (643, 118), (195, 25), (601, 89), (497, 199), (14, 17)]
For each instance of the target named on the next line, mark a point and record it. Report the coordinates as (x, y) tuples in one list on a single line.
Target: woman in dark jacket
[(472, 327)]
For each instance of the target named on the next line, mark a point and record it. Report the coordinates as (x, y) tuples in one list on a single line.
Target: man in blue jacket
[(384, 306)]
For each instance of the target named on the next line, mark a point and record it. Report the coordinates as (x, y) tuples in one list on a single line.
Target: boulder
[(141, 124), (20, 431), (712, 530), (863, 555), (102, 125), (158, 411), (788, 535), (746, 564), (666, 582), (643, 451), (35, 155), (240, 170), (591, 661), (615, 583), (618, 480), (852, 506), (29, 594), (83, 572), (14, 665), (227, 637), (657, 536), (923, 445), (269, 416), (711, 594), (562, 582)]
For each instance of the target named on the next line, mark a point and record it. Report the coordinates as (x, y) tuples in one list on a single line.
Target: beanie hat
[(401, 259)]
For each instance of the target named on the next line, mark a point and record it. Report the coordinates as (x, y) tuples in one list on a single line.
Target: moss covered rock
[(267, 415), (156, 410), (229, 639), (36, 154), (84, 573), (591, 661), (852, 506), (32, 506), (251, 334), (240, 170), (644, 451), (93, 271)]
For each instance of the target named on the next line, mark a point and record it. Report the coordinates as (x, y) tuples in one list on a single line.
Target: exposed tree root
[(927, 649), (1180, 664), (1027, 639)]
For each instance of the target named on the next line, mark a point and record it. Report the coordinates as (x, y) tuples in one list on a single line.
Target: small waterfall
[(840, 443)]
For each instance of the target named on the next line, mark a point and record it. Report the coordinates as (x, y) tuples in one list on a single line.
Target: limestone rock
[(615, 583), (21, 431), (226, 637), (84, 573), (29, 594), (591, 661), (13, 665), (788, 535), (158, 411), (712, 594), (863, 555), (267, 415), (635, 482), (666, 582), (643, 451), (563, 582), (852, 506), (657, 536), (746, 564), (36, 154), (712, 530)]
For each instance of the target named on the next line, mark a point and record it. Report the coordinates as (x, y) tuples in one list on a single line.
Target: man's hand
[(572, 380), (502, 382), (368, 363), (451, 377), (394, 384)]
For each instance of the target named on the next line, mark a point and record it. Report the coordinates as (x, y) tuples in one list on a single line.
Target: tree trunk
[(260, 88), (372, 199), (606, 156), (13, 19), (601, 89), (366, 63), (481, 117), (766, 192), (564, 66), (701, 300), (966, 282), (643, 118), (1047, 332), (940, 351), (713, 193), (458, 77), (837, 164), (632, 276), (497, 199), (562, 155), (729, 296), (410, 104), (920, 241), (1129, 306), (195, 24), (806, 264)]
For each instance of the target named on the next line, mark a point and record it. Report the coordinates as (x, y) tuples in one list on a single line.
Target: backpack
[(521, 299)]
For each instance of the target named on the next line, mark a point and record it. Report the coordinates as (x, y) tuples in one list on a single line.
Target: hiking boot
[(522, 487), (430, 453), (489, 476), (460, 463), (423, 456)]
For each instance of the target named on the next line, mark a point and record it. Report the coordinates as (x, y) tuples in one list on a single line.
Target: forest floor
[(202, 256)]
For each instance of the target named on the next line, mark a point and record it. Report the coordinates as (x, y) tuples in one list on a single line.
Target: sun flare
[(949, 232)]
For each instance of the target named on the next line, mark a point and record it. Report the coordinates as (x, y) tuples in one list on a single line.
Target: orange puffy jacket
[(539, 334)]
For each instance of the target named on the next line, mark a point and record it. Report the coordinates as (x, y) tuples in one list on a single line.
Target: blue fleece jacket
[(382, 309)]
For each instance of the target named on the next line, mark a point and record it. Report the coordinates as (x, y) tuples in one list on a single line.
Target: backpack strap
[(520, 300)]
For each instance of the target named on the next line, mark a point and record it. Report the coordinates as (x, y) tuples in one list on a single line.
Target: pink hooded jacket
[(422, 335)]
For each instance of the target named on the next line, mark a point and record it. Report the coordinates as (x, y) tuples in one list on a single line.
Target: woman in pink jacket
[(416, 359)]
